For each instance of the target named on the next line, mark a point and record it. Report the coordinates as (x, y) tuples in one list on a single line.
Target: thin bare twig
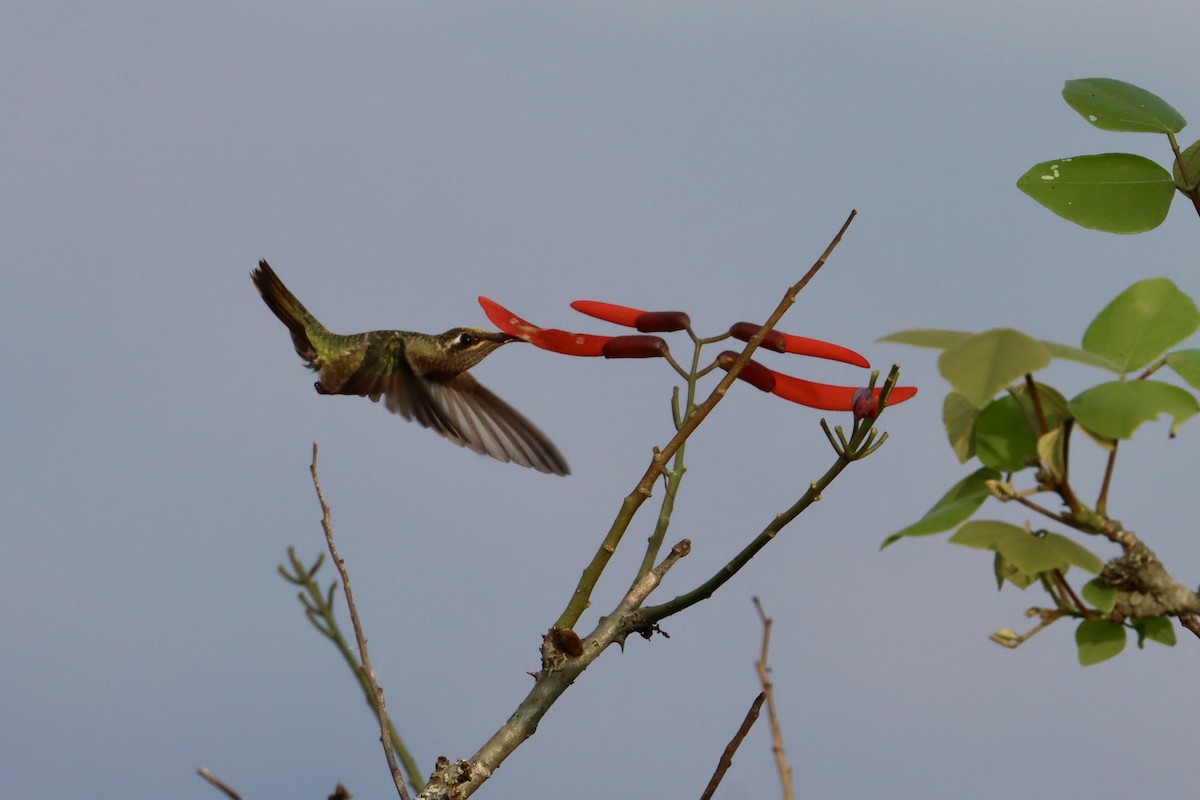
[(727, 757), (1102, 500), (1061, 581), (380, 706), (319, 609), (208, 776), (764, 676)]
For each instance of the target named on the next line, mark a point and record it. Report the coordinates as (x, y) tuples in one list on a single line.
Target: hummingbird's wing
[(458, 408), (487, 424), (385, 372)]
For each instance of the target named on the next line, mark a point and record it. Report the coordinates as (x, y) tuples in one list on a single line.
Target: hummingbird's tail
[(289, 310)]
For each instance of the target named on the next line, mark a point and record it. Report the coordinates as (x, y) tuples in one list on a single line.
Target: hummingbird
[(420, 376)]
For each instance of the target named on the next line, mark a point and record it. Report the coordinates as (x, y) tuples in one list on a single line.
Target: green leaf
[(958, 415), (1050, 452), (1074, 552), (1007, 572), (1003, 440), (942, 338), (1031, 554), (1100, 594), (983, 364), (1186, 364), (986, 534), (958, 504), (1098, 641), (1141, 323), (1158, 629), (1191, 163), (1114, 410), (1068, 353), (937, 338), (1114, 105), (1054, 406), (1114, 192)]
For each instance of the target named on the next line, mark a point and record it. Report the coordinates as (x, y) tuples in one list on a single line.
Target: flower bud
[(662, 321), (753, 373), (634, 347), (865, 404)]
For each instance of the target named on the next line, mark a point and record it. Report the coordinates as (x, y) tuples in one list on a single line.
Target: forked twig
[(380, 706)]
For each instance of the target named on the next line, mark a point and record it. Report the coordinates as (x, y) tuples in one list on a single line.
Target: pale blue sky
[(393, 161)]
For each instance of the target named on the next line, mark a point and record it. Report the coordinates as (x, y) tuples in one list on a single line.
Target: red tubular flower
[(559, 341), (572, 344), (609, 312), (800, 345), (822, 396), (644, 321)]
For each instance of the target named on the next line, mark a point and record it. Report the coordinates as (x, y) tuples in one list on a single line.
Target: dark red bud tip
[(567, 641), (634, 347), (753, 373), (745, 331), (609, 312), (865, 405), (662, 321)]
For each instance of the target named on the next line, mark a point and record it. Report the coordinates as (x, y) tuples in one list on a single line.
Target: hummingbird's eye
[(465, 340)]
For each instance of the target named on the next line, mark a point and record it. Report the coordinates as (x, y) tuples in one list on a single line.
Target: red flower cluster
[(806, 393)]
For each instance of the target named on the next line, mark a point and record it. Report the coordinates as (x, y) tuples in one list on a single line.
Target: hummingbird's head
[(463, 348)]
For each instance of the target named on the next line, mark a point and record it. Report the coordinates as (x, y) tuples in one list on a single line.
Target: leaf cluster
[(1020, 430), (1117, 192)]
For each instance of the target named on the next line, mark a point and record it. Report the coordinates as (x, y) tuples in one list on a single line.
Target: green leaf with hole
[(982, 365), (1142, 323), (1186, 364), (1074, 552), (1100, 594), (1156, 629), (1114, 192), (958, 415), (958, 504), (1115, 409), (1003, 439), (1098, 641), (1114, 105)]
